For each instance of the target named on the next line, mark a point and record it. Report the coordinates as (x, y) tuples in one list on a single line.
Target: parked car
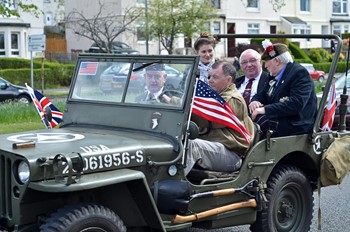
[(339, 86), (316, 75), (114, 78), (11, 92), (117, 48)]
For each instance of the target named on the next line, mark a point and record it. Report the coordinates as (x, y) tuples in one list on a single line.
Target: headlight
[(23, 172)]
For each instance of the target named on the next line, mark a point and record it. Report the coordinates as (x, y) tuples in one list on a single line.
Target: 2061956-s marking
[(102, 157)]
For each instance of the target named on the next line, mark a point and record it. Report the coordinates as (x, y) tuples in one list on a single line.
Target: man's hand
[(166, 98), (254, 105), (258, 111)]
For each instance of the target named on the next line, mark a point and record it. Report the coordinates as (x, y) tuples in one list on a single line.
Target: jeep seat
[(202, 176)]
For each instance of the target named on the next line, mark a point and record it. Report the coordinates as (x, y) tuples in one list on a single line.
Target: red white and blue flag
[(41, 103), (210, 105), (328, 117), (88, 68)]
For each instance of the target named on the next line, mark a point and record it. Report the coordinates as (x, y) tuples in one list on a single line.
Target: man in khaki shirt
[(221, 148)]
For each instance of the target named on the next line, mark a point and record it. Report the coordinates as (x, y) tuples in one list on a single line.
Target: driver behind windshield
[(156, 91)]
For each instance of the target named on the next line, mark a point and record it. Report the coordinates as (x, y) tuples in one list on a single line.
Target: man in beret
[(155, 77), (288, 104)]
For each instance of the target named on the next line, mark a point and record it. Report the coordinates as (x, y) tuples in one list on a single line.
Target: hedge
[(18, 72)]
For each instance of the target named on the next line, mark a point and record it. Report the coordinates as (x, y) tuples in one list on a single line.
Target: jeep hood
[(100, 149)]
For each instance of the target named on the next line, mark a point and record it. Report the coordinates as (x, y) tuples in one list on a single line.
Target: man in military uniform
[(288, 104)]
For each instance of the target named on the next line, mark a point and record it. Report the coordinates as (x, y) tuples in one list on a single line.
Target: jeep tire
[(83, 217), (290, 202)]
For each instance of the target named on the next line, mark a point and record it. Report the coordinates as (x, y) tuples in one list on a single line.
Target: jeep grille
[(5, 187)]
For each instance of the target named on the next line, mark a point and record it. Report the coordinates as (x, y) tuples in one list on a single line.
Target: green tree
[(167, 19), (10, 8)]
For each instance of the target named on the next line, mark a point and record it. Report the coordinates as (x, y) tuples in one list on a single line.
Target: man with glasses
[(288, 104), (155, 77), (254, 78)]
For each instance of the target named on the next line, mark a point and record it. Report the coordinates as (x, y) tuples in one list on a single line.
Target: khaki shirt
[(230, 138)]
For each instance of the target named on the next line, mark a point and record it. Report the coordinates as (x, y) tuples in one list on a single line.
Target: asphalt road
[(335, 211)]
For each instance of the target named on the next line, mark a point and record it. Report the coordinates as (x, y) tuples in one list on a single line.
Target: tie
[(150, 97), (247, 91), (272, 84)]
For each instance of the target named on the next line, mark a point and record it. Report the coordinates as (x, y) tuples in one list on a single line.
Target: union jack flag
[(328, 117), (210, 105), (41, 103)]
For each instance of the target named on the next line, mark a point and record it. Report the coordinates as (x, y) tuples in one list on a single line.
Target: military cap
[(155, 67), (272, 50)]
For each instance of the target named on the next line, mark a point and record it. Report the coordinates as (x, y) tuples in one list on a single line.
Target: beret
[(273, 50)]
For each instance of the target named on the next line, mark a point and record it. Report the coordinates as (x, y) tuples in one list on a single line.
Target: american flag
[(41, 103), (329, 113), (210, 105), (88, 68)]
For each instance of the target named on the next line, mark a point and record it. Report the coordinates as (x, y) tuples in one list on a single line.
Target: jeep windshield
[(130, 92), (125, 81)]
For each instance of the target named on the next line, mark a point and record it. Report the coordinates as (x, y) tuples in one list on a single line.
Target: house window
[(253, 4), (253, 28), (340, 6), (216, 27), (305, 5), (15, 44), (2, 44), (140, 30), (337, 30), (206, 26), (11, 4), (301, 29), (216, 3), (48, 18)]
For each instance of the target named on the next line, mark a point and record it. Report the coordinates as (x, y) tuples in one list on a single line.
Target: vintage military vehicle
[(116, 164)]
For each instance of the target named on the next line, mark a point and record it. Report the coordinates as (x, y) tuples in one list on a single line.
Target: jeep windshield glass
[(152, 83)]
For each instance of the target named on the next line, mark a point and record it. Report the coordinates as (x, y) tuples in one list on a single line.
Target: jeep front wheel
[(290, 202), (83, 217)]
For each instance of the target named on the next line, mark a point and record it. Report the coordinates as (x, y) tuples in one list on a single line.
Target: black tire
[(83, 217), (24, 99), (290, 202), (321, 79)]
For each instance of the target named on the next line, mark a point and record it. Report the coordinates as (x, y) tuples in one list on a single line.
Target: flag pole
[(188, 122)]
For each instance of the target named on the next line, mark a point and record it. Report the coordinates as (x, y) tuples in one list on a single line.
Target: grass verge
[(16, 117)]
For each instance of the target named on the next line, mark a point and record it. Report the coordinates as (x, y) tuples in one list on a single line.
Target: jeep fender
[(110, 178)]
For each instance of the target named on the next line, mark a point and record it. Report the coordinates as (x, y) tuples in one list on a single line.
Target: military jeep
[(116, 164)]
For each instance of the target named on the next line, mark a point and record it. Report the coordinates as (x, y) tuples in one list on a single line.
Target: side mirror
[(193, 131)]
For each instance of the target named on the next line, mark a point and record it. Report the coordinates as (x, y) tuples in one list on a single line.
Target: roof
[(294, 20)]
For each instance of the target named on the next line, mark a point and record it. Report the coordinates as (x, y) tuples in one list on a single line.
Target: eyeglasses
[(251, 61), (154, 76)]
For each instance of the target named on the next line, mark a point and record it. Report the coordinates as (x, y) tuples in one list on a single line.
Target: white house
[(14, 31)]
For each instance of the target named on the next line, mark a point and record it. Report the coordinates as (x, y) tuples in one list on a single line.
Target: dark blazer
[(293, 102), (264, 80)]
